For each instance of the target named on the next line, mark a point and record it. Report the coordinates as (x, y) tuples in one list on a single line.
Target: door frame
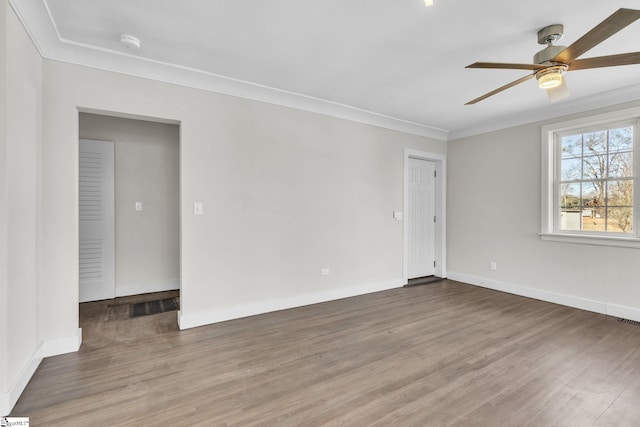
[(440, 243), (133, 116)]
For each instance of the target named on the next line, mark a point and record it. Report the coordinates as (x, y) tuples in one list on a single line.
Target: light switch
[(138, 206), (198, 208), (397, 215)]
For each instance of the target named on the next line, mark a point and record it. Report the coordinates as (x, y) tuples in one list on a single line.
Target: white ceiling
[(395, 63)]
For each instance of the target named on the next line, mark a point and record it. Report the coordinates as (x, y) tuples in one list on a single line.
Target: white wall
[(4, 290), (19, 205), (146, 170), (494, 215), (285, 193)]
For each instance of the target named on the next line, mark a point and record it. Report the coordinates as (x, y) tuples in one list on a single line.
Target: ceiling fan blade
[(503, 65), (606, 61), (616, 22), (559, 92), (500, 89)]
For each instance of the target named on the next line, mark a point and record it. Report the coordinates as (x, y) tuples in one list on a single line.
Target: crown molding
[(565, 108), (39, 24)]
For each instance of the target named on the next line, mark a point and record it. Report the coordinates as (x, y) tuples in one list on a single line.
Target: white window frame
[(550, 171)]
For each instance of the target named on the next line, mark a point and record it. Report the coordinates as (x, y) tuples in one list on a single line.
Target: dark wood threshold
[(422, 281)]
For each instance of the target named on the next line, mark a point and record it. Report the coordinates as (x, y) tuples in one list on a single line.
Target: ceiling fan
[(553, 61)]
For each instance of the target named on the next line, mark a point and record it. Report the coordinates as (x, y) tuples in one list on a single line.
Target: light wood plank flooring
[(444, 354)]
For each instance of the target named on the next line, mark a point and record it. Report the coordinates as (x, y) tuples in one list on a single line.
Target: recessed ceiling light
[(428, 2), (130, 42)]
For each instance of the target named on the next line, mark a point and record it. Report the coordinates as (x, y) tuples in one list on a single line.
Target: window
[(589, 180), (595, 182)]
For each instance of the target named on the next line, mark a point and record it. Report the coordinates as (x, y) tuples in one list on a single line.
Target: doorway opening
[(424, 253), (129, 249)]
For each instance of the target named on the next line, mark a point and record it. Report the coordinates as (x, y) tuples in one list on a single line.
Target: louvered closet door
[(97, 224)]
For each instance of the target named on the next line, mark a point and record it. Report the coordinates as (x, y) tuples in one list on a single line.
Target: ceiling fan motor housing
[(549, 35), (546, 54)]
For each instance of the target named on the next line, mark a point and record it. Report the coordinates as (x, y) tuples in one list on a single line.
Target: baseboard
[(45, 349), (623, 312), (62, 345), (186, 321), (548, 296), (5, 406), (9, 399), (146, 288)]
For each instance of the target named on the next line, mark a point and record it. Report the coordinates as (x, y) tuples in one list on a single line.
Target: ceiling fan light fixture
[(550, 80), (551, 77)]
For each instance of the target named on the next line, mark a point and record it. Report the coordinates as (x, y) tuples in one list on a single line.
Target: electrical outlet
[(493, 265), (324, 271)]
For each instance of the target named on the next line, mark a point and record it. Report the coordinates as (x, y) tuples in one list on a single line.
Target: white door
[(421, 218), (97, 223)]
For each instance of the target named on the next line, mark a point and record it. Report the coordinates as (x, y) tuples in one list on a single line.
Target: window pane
[(571, 169), (594, 167), (620, 220), (570, 196), (572, 146), (620, 193), (593, 193), (592, 213), (621, 139), (570, 207), (595, 143), (620, 165), (593, 219)]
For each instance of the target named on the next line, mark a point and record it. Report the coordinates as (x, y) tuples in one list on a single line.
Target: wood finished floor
[(444, 354)]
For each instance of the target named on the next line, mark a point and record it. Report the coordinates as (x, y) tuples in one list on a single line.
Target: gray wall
[(146, 169), (4, 284), (494, 215), (20, 202), (285, 192)]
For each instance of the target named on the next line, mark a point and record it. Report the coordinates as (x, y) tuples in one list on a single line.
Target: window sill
[(619, 242)]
